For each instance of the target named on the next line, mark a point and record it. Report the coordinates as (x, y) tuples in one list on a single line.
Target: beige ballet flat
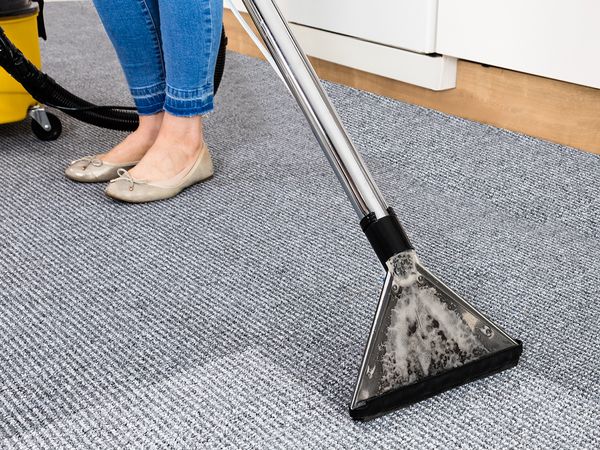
[(128, 189), (91, 169)]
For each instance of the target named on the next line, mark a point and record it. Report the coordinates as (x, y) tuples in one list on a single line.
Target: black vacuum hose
[(48, 92)]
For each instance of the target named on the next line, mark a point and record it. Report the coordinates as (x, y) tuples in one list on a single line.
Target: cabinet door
[(552, 38), (406, 24)]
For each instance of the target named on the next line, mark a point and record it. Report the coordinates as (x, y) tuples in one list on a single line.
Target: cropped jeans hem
[(149, 100), (189, 102)]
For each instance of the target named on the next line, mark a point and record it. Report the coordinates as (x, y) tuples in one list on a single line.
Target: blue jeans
[(168, 50)]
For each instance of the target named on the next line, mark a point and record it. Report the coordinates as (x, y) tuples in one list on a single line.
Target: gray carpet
[(236, 314)]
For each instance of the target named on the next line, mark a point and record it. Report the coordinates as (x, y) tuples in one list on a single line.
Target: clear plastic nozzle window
[(422, 329)]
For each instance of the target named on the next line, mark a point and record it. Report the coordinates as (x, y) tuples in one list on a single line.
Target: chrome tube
[(305, 86)]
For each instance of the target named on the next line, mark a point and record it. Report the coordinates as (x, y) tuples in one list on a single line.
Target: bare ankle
[(135, 146), (150, 126), (184, 132)]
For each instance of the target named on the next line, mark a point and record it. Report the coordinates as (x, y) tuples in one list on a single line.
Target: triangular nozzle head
[(424, 340)]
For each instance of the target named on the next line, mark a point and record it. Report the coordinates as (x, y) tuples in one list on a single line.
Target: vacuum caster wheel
[(50, 133)]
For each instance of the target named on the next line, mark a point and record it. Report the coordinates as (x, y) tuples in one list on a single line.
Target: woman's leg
[(191, 32), (134, 29)]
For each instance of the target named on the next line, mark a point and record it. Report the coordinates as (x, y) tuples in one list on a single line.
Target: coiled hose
[(48, 92)]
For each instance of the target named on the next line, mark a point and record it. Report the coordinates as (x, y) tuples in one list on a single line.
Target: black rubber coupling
[(386, 235)]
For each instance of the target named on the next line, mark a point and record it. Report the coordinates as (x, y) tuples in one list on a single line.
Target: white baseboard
[(433, 72), (238, 4)]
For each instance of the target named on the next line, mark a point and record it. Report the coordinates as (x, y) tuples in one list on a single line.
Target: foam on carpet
[(235, 315)]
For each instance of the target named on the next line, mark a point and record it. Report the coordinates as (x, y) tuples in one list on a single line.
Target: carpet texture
[(235, 315)]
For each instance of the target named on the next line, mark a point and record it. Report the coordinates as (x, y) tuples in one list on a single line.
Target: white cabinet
[(553, 38)]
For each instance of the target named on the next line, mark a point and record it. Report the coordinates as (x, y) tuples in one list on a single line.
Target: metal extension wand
[(434, 340)]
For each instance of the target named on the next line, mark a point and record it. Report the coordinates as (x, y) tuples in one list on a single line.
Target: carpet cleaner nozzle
[(425, 339)]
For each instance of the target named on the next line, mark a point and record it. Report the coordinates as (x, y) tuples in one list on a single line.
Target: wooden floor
[(560, 112)]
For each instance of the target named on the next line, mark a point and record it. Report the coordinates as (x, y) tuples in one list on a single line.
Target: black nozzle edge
[(436, 384), (386, 235)]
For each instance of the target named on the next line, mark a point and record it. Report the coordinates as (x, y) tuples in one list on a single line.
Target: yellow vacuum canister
[(18, 18), (20, 23)]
